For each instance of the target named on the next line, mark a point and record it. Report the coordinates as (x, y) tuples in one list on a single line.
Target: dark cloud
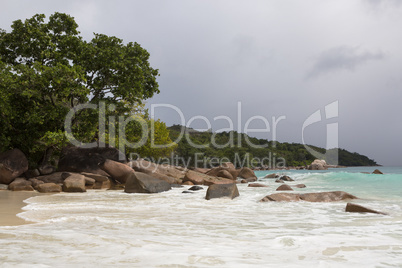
[(342, 58), (212, 54), (378, 3)]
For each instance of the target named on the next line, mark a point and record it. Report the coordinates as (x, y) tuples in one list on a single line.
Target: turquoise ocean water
[(172, 229)]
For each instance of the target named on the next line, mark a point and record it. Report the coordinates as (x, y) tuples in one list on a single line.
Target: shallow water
[(171, 229)]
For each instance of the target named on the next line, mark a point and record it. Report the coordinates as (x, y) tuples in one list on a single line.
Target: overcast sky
[(278, 58)]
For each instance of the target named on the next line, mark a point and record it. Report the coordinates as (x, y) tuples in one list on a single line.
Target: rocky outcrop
[(204, 179), (318, 165), (76, 159), (20, 184), (13, 163), (48, 188), (141, 165), (301, 185), (284, 187), (377, 172), (310, 197), (139, 182), (118, 171), (350, 207), (222, 190), (74, 183)]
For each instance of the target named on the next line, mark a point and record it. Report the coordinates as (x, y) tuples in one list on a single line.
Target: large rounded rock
[(350, 207), (195, 177), (247, 173), (318, 164), (74, 183), (13, 163), (48, 188), (138, 182), (222, 190), (20, 184), (225, 174), (76, 159), (284, 187), (118, 171), (166, 178)]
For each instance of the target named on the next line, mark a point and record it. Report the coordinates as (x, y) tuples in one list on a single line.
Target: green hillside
[(240, 149)]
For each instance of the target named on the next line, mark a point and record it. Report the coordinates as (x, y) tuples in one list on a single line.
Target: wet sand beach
[(11, 203)]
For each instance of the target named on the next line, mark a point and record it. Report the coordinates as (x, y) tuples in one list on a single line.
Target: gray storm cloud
[(342, 58), (279, 58)]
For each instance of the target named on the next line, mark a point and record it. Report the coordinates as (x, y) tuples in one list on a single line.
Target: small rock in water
[(286, 178), (300, 185), (272, 176), (279, 181), (257, 185), (377, 172), (187, 192), (195, 188), (350, 207)]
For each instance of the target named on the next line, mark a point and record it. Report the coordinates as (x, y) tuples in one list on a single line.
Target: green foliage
[(242, 145), (46, 68)]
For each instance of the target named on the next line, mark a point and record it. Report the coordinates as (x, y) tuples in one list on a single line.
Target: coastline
[(11, 203)]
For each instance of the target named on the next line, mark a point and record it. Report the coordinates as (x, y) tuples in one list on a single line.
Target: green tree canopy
[(46, 68)]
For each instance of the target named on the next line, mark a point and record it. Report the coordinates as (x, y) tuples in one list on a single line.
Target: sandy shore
[(11, 203)]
